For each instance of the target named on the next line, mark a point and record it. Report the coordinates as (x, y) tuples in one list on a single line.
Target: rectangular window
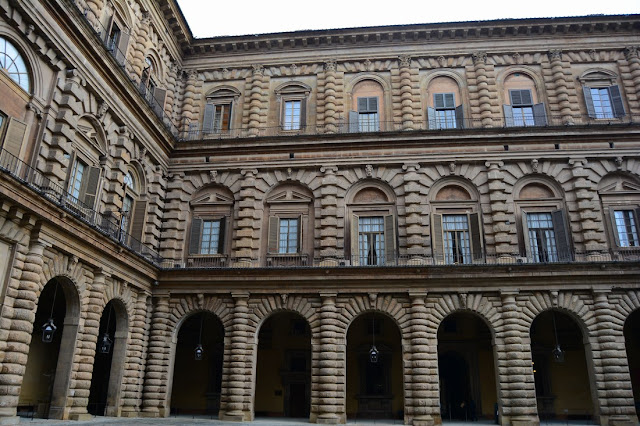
[(445, 108), (626, 228), (221, 117), (75, 181), (288, 236), (2, 118), (371, 242), (291, 117), (114, 37), (455, 232), (542, 237), (211, 237), (602, 105), (368, 118), (127, 207), (522, 107)]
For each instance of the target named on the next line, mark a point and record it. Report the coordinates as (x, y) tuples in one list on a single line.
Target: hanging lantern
[(48, 330), (558, 354), (199, 352), (105, 344), (373, 354)]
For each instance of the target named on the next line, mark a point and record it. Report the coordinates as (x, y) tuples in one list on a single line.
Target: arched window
[(12, 63), (155, 95), (134, 210), (367, 107), (521, 104), (444, 104)]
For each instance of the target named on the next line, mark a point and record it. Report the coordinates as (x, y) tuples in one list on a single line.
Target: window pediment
[(211, 199), (619, 186), (598, 76), (289, 196), (293, 87)]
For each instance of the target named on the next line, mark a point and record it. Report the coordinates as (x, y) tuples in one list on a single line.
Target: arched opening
[(48, 370), (632, 342), (197, 372), (466, 369), (375, 387), (560, 368), (283, 375), (108, 365)]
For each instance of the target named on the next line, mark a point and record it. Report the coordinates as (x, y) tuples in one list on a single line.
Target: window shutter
[(160, 96), (353, 122), (614, 228), (516, 97), (459, 117), (138, 220), (438, 100), (302, 227), (274, 231), (92, 179), (303, 113), (539, 115), (194, 238), (562, 237), (508, 115), (476, 236), (449, 100), (107, 34), (588, 100), (121, 50), (525, 232), (616, 101), (221, 235), (431, 118), (207, 120), (363, 104), (389, 239), (373, 104), (436, 238), (355, 248), (527, 98), (14, 137)]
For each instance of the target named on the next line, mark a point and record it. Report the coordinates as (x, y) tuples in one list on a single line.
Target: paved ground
[(185, 421)]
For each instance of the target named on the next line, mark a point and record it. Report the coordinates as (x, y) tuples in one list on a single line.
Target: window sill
[(207, 260), (287, 259)]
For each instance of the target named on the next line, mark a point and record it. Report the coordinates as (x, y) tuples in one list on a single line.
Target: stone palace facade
[(422, 222)]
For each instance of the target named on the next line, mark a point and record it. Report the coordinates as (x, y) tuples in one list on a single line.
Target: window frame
[(545, 205), (275, 234), (17, 60), (293, 91), (211, 204), (635, 216), (537, 115), (219, 98), (435, 121), (602, 79)]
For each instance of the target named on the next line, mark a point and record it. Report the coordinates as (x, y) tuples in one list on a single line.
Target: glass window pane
[(626, 228), (13, 63), (291, 119), (457, 247), (542, 237), (210, 237), (288, 236)]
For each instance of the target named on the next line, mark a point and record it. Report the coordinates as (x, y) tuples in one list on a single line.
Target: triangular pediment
[(289, 196), (619, 185), (211, 198)]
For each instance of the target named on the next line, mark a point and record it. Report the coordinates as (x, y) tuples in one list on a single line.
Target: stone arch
[(122, 293), (565, 302), (268, 306), (190, 305), (528, 72), (69, 267), (458, 80), (386, 304), (293, 85), (123, 10), (376, 184), (158, 65), (455, 181), (471, 175), (547, 181), (140, 176), (30, 59), (598, 73), (475, 303), (367, 76), (628, 304), (223, 90)]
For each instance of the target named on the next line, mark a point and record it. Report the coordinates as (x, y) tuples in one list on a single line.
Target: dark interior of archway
[(197, 384), (374, 389), (562, 387), (102, 364), (632, 341), (40, 373), (466, 369), (283, 375)]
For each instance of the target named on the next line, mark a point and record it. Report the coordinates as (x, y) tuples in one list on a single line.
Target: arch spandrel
[(567, 302), (264, 308), (445, 305), (190, 305), (393, 307)]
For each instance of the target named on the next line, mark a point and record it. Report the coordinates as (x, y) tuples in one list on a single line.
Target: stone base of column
[(13, 420), (425, 421), (520, 421), (618, 420), (130, 413), (150, 414), (328, 421), (81, 416), (235, 417)]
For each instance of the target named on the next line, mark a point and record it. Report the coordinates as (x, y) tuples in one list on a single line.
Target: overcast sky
[(208, 18)]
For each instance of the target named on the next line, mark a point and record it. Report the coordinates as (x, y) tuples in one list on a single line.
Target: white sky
[(208, 18)]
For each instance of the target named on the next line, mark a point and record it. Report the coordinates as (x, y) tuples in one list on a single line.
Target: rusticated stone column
[(139, 45), (483, 78), (328, 380), (611, 367), (248, 224), (189, 107), (407, 81), (86, 352), (587, 209), (93, 13), (561, 77), (237, 404), (331, 120), (329, 215), (133, 380), (19, 336), (501, 216), (516, 385), (633, 60), (154, 403), (414, 213), (424, 406), (257, 113)]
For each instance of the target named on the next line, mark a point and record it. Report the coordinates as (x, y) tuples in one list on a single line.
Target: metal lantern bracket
[(49, 328)]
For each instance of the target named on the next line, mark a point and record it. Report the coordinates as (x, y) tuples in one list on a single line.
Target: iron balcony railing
[(120, 55), (107, 223), (625, 254), (195, 134)]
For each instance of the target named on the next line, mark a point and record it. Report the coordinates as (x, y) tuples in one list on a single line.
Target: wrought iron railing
[(195, 134), (107, 223), (120, 57), (629, 254)]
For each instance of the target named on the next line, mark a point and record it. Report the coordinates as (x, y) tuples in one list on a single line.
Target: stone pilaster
[(247, 234), (423, 408), (563, 102), (482, 90), (175, 219), (613, 383), (94, 12), (587, 210), (133, 380), (516, 385), (114, 180), (329, 214), (330, 95), (139, 47), (172, 88), (328, 380), (236, 395), (154, 403), (18, 337), (190, 115), (255, 117), (156, 196), (406, 94), (631, 77), (503, 241), (416, 241)]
